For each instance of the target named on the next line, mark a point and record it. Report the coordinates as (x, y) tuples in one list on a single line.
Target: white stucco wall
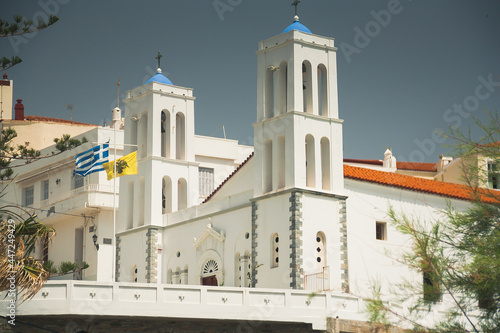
[(379, 261), (321, 214), (273, 216)]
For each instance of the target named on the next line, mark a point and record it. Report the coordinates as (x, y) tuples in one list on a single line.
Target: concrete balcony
[(84, 298), (93, 195)]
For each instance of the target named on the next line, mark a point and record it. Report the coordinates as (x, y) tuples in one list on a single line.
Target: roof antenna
[(118, 84), (70, 108)]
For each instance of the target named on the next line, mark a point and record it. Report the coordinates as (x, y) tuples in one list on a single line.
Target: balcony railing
[(318, 281), (90, 298), (87, 189)]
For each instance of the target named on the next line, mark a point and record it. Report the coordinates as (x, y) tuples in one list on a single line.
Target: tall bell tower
[(298, 133), (298, 209)]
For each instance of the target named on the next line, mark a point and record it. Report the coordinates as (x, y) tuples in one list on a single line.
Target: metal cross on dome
[(296, 4), (158, 57)]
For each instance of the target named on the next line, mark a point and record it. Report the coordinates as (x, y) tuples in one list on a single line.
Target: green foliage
[(21, 26), (376, 307), (6, 63), (66, 142), (8, 152), (460, 254), (28, 232), (65, 267), (50, 267)]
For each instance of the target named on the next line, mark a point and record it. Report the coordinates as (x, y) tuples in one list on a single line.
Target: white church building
[(282, 236)]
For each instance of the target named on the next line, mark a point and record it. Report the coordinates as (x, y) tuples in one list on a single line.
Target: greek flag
[(91, 160)]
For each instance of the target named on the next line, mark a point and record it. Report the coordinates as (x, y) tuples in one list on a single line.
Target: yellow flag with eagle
[(126, 165)]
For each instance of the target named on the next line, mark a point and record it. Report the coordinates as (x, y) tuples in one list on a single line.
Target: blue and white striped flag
[(91, 160)]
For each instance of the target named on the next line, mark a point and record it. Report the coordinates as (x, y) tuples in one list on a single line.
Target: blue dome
[(296, 25), (160, 78)]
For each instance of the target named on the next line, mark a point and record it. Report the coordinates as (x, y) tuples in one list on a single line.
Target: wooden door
[(209, 281)]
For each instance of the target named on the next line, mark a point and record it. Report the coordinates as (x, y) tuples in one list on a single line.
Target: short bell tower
[(159, 124)]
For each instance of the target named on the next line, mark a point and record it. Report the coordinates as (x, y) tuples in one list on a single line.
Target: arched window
[(130, 207), (325, 163), (282, 90), (166, 195), (176, 276), (275, 249), (238, 271), (307, 86), (269, 93), (247, 276), (322, 91), (134, 273), (184, 275), (133, 132), (165, 134), (169, 276), (310, 162), (143, 135), (181, 194), (268, 166), (281, 162), (180, 138), (320, 250), (209, 273), (142, 191)]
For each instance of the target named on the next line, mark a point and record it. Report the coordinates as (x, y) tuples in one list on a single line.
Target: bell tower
[(159, 124), (298, 133)]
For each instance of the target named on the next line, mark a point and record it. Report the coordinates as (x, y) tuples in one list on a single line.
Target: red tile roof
[(391, 179), (360, 161), (416, 166), (56, 120), (411, 183), (413, 166)]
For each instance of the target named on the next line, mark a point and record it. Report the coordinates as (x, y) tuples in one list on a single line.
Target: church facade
[(288, 219), (292, 215)]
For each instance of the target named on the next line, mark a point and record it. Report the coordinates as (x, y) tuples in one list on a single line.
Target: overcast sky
[(405, 68)]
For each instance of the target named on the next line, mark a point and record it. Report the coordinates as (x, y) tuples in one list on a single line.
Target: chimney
[(19, 110)]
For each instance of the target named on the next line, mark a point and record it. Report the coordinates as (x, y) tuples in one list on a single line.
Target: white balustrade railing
[(69, 297), (87, 189)]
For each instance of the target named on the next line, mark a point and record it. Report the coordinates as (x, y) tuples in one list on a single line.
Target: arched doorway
[(209, 273)]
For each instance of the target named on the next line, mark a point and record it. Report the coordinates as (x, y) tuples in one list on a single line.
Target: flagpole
[(113, 273)]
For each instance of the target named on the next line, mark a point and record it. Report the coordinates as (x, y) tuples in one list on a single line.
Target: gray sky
[(405, 68)]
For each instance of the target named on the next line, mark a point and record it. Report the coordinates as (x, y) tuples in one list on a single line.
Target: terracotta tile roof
[(411, 183), (416, 166), (360, 161), (391, 179), (56, 120), (228, 177), (413, 166)]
